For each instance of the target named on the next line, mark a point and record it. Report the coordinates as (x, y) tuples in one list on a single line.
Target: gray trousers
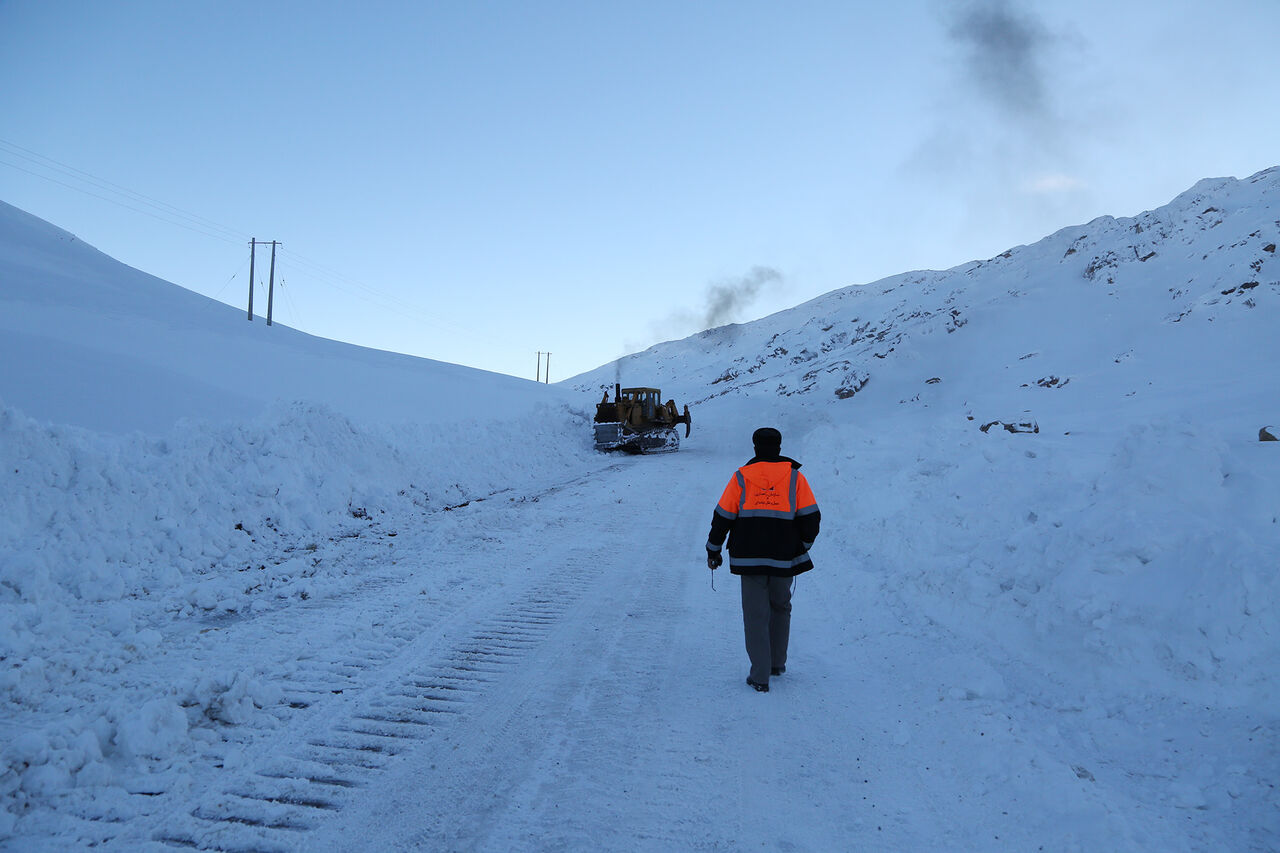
[(766, 620)]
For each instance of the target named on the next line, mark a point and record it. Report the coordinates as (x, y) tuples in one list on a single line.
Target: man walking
[(771, 513)]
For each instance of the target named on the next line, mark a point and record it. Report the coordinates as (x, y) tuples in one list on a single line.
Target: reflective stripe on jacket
[(770, 516)]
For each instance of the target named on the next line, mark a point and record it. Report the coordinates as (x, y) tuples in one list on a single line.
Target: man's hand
[(714, 560)]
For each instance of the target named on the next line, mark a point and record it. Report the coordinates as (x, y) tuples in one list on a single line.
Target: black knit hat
[(767, 441)]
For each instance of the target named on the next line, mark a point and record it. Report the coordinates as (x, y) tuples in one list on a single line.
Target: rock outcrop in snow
[(1104, 306)]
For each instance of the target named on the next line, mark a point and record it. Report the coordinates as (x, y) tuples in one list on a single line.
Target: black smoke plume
[(1004, 54), (727, 298), (725, 302)]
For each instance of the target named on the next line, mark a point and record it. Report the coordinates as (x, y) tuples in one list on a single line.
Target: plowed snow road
[(554, 671)]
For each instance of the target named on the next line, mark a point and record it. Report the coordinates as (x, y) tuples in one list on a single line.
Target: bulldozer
[(637, 422)]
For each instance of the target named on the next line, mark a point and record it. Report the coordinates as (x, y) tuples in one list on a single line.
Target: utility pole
[(548, 369), (271, 288), (537, 377), (253, 249), (253, 244)]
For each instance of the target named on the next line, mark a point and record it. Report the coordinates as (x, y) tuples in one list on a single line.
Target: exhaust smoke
[(726, 299)]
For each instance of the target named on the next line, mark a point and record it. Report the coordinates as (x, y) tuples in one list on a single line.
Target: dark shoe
[(760, 688), (778, 670)]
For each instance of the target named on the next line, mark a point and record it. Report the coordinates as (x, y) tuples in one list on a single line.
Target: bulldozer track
[(357, 695), (312, 779)]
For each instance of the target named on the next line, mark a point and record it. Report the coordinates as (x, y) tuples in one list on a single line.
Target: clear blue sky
[(479, 181)]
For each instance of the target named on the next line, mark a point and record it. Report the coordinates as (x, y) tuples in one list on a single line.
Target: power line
[(119, 203), (227, 283), (293, 309), (195, 220), (342, 283), (171, 214), (40, 161)]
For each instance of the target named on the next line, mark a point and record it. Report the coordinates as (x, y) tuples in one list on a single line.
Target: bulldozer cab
[(643, 402)]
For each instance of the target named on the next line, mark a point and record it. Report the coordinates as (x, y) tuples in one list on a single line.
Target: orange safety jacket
[(770, 516)]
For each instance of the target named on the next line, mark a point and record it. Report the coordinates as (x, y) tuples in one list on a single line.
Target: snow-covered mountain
[(260, 590), (1108, 323)]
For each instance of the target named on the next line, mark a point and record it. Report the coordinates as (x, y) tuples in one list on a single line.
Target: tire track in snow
[(297, 788), (356, 690), (538, 767)]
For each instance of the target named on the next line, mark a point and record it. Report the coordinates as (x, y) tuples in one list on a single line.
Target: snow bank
[(1142, 561), (105, 539), (88, 517)]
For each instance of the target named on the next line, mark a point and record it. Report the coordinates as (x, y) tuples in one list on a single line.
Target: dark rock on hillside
[(1029, 426)]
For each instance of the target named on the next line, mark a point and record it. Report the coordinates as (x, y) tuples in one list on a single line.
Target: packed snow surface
[(262, 591)]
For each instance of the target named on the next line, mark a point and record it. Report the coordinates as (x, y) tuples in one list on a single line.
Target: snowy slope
[(1167, 312), (91, 342), (372, 602), (161, 456), (131, 406), (1144, 350)]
